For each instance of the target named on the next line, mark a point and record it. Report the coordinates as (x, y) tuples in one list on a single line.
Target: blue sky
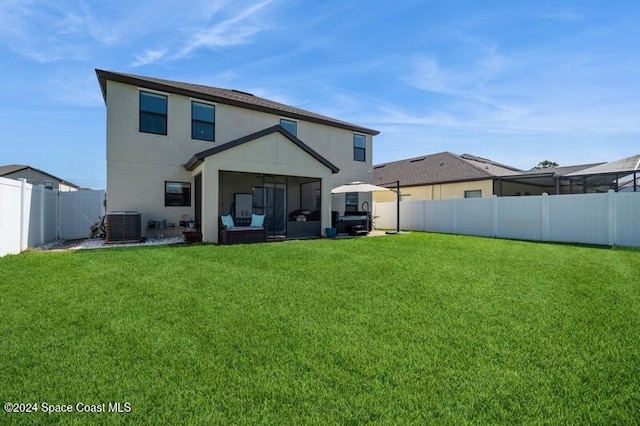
[(517, 82)]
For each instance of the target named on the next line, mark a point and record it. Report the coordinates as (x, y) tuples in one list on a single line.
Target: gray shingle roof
[(11, 168), (224, 96), (496, 169), (438, 168)]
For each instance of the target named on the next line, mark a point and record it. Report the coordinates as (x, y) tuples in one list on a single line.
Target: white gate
[(77, 211)]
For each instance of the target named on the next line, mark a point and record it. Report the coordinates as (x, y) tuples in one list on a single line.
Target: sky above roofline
[(516, 82)]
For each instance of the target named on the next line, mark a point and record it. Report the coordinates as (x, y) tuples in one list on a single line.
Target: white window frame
[(468, 193)]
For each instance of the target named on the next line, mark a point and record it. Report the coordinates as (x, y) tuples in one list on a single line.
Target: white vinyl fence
[(607, 219), (32, 215)]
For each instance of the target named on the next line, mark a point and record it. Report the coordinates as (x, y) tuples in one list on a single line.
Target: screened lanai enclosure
[(620, 176), (291, 204)]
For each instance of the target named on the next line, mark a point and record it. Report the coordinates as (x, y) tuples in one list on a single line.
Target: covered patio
[(270, 173), (292, 205)]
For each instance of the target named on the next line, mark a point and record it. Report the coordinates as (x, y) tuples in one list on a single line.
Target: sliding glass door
[(271, 200)]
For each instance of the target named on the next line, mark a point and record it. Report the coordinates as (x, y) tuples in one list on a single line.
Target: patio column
[(325, 205), (210, 203)]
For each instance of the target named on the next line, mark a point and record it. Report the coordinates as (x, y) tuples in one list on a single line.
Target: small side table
[(166, 232)]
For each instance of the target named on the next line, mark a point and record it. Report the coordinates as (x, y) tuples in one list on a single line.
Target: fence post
[(494, 216), (23, 213), (42, 213), (545, 216), (424, 215), (611, 217), (58, 214), (455, 215)]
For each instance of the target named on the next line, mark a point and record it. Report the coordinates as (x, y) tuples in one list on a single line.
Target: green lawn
[(406, 329)]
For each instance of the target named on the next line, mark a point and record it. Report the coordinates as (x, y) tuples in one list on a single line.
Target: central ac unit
[(124, 227)]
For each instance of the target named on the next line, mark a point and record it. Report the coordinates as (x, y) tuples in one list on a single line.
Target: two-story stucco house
[(179, 151)]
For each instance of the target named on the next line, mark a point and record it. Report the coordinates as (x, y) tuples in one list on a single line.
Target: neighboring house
[(446, 175), (37, 177), (440, 176), (179, 151)]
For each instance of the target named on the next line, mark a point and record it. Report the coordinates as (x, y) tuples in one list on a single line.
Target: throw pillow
[(257, 220), (227, 221)]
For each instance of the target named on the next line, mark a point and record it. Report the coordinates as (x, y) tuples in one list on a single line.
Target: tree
[(546, 164)]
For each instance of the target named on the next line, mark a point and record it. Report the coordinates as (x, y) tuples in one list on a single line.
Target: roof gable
[(198, 158), (13, 168), (224, 96)]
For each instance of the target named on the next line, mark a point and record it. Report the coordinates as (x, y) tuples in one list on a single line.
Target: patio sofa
[(241, 231)]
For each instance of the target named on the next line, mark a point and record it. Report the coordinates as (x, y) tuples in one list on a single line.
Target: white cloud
[(50, 31), (46, 31), (235, 30), (546, 89), (466, 79), (149, 56)]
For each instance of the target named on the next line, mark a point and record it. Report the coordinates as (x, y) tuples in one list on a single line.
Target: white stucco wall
[(139, 163)]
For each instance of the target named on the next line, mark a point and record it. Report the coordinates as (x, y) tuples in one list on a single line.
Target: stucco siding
[(141, 188), (439, 191), (127, 144)]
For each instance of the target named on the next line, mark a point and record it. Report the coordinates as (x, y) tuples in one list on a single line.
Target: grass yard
[(406, 329)]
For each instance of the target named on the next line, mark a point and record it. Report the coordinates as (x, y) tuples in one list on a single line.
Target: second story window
[(153, 113), (290, 126), (359, 147), (203, 121)]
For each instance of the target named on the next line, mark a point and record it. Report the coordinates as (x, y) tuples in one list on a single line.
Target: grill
[(124, 227), (354, 223)]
